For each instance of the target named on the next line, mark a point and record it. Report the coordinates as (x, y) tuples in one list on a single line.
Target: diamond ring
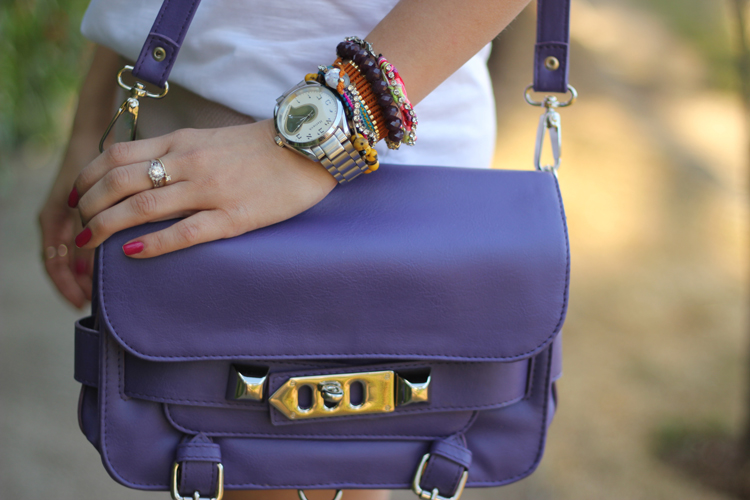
[(157, 173)]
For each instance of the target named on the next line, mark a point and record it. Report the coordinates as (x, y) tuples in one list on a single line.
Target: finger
[(82, 266), (207, 225), (118, 155), (58, 270), (146, 206), (55, 234), (121, 182)]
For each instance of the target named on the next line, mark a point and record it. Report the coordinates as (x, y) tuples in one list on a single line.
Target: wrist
[(289, 159)]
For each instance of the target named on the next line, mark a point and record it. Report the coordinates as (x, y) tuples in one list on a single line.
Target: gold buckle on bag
[(130, 106), (196, 496)]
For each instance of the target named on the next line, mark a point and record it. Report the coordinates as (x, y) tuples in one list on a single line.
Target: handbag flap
[(409, 263)]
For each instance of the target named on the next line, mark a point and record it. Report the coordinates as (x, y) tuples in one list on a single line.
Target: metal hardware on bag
[(573, 97), (552, 63), (302, 496), (434, 494), (412, 392), (549, 123), (246, 383), (378, 395), (130, 106), (332, 392), (196, 495), (159, 53)]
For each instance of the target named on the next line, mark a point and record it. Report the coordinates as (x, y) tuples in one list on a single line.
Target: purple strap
[(168, 32), (198, 456), (552, 40), (449, 458), (86, 364), (175, 16)]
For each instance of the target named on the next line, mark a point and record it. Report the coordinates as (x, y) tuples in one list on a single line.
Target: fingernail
[(132, 248), (73, 198), (82, 266), (83, 237)]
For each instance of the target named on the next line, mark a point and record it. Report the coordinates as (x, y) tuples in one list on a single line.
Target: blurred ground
[(656, 341)]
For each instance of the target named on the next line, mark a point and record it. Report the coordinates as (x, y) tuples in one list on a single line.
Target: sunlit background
[(655, 394)]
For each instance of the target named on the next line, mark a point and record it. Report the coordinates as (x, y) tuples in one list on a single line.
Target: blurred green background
[(654, 396)]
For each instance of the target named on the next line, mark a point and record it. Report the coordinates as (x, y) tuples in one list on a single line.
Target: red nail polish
[(73, 198), (132, 248), (82, 266), (83, 237)]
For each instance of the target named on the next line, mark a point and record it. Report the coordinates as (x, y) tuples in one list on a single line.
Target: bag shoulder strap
[(159, 53), (163, 43), (552, 44)]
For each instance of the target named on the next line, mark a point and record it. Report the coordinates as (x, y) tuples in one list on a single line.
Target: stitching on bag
[(104, 423), (187, 430), (200, 458), (508, 358), (545, 409), (215, 404), (552, 45), (120, 378), (432, 409), (174, 50)]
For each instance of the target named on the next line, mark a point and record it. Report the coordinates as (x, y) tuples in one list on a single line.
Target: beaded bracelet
[(362, 60), (337, 78), (355, 47), (365, 134), (398, 91)]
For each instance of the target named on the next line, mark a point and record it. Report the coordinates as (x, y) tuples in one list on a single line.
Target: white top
[(245, 53)]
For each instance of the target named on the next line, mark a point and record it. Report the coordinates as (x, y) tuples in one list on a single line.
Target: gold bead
[(359, 143), (371, 156), (311, 77), (372, 168)]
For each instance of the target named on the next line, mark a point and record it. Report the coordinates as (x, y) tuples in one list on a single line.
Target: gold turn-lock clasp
[(348, 394), (130, 106)]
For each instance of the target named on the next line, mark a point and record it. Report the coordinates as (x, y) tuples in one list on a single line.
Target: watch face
[(307, 115)]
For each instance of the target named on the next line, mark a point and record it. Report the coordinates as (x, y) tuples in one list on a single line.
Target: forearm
[(428, 40), (92, 114)]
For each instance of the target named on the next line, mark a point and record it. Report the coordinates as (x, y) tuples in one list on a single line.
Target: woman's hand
[(69, 267), (227, 181)]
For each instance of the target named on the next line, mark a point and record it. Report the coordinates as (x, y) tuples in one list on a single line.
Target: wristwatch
[(310, 120)]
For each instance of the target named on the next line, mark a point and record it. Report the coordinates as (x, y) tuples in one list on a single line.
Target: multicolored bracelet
[(362, 52), (360, 55)]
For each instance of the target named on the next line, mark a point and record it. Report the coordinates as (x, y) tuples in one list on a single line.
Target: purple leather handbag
[(403, 333)]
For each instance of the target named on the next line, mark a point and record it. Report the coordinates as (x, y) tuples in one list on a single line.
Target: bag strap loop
[(197, 471), (443, 472)]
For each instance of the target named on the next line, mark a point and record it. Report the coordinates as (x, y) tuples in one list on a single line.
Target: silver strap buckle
[(196, 496), (549, 123), (434, 494)]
